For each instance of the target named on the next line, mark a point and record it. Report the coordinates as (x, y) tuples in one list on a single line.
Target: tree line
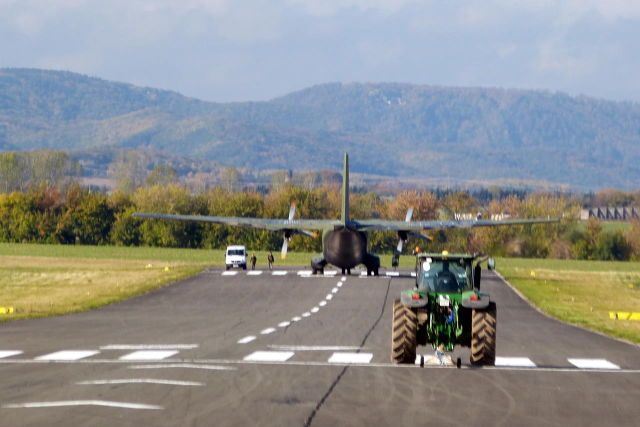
[(72, 214)]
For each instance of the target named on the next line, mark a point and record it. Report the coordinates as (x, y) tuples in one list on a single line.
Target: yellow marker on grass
[(7, 310)]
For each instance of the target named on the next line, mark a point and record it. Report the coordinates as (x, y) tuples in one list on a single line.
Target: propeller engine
[(289, 233)]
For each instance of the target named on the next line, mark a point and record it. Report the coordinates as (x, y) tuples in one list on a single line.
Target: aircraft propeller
[(287, 233)]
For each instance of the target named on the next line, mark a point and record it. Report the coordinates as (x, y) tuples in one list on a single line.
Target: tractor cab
[(445, 274)]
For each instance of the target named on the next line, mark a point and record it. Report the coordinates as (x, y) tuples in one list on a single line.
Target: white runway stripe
[(315, 347), (343, 279), (9, 353), (523, 362), (61, 403), (267, 331), (296, 319), (322, 303), (283, 324), (392, 273), (269, 356), (149, 355), (184, 365), (330, 273), (593, 364), (246, 339), (350, 358), (315, 309), (339, 284), (413, 274), (149, 347), (329, 297), (140, 381), (363, 274), (254, 273), (334, 290), (304, 273), (229, 273), (68, 355), (306, 314), (279, 273)]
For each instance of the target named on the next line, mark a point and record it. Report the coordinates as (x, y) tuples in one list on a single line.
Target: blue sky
[(226, 50)]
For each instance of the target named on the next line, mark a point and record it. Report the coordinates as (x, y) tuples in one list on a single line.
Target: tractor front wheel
[(483, 336), (403, 337)]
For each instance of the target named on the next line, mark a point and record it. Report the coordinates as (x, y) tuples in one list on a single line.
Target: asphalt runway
[(288, 350)]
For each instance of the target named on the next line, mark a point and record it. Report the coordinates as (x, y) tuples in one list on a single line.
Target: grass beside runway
[(580, 292), (46, 280)]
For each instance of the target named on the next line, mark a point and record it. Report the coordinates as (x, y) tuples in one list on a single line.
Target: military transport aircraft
[(344, 241)]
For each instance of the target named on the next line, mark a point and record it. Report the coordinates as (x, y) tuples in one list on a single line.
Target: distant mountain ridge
[(390, 129)]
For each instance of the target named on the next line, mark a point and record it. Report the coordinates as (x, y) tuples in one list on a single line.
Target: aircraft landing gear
[(317, 266), (372, 263), (348, 270)]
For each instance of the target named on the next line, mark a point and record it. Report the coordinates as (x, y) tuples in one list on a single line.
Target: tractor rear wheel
[(483, 336), (403, 336)]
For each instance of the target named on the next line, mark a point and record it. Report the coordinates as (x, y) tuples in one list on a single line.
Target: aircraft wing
[(263, 223), (383, 225)]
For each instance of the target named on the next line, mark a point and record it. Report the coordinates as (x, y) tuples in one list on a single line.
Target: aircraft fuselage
[(344, 247)]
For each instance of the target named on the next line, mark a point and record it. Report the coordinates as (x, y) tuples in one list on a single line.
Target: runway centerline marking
[(246, 339), (279, 273), (334, 290), (593, 364), (343, 279), (322, 303), (306, 314), (62, 403), (329, 297), (515, 362), (283, 324), (9, 353), (141, 381), (267, 331), (68, 355), (269, 356), (149, 347), (296, 319), (254, 273), (229, 273), (315, 309), (149, 355), (348, 358)]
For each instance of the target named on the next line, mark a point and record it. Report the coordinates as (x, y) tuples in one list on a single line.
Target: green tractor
[(445, 309)]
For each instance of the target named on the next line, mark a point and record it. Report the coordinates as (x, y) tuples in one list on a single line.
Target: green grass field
[(580, 292)]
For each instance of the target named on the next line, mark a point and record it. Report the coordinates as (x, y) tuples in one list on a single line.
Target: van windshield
[(235, 252)]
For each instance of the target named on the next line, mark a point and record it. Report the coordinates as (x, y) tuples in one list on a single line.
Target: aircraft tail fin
[(345, 190)]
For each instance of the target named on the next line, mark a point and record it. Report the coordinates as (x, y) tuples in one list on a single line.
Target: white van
[(236, 256)]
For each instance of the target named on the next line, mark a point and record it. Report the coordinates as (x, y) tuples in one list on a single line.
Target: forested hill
[(390, 129)]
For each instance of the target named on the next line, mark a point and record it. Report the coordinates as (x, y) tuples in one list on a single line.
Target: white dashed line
[(330, 273), (254, 273), (343, 279), (283, 324), (269, 356), (304, 273), (184, 365), (350, 358), (296, 319), (322, 303), (267, 331), (229, 273), (306, 314), (593, 364), (363, 274), (329, 297), (523, 362), (149, 355), (315, 309), (339, 284), (246, 339), (149, 347), (392, 273), (140, 381), (9, 353), (68, 355), (279, 273), (334, 290), (126, 405)]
